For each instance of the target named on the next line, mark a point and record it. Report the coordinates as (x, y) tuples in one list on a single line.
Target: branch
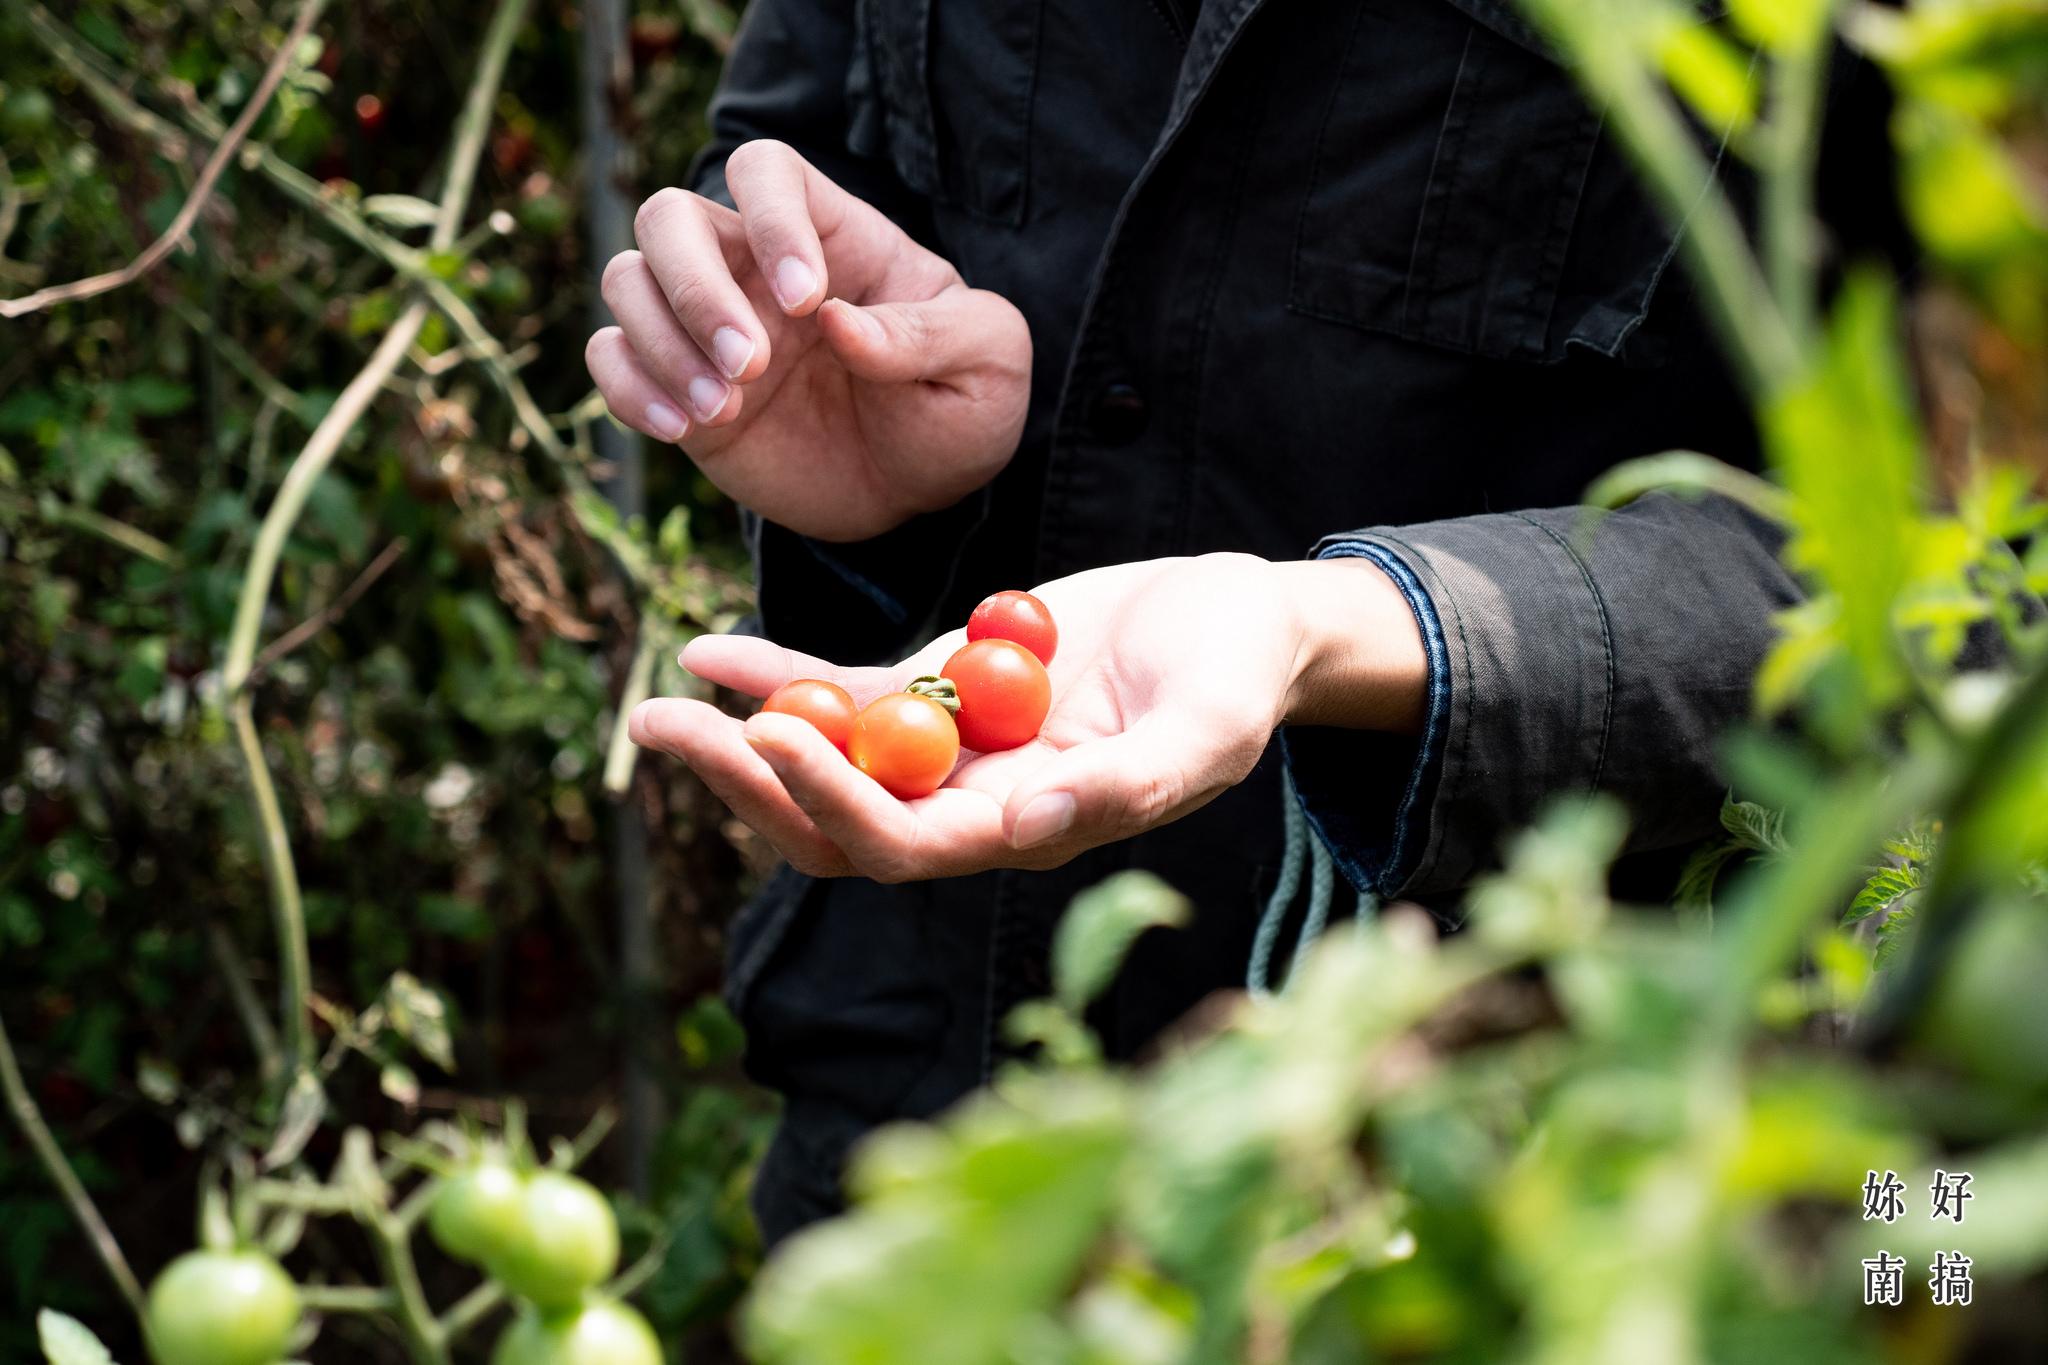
[(64, 1178), (329, 614), (223, 152)]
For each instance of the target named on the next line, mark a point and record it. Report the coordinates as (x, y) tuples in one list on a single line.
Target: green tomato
[(567, 1242), (601, 1332), (221, 1308), (477, 1212), (26, 111)]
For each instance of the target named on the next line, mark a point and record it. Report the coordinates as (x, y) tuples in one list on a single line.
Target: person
[(1274, 342)]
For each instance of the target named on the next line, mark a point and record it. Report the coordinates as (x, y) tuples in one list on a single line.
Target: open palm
[(1170, 678)]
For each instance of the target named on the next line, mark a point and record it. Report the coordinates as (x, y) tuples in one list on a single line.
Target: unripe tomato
[(221, 1308), (825, 705), (1018, 616), (1004, 694), (566, 1242), (479, 1210), (601, 1332), (907, 743)]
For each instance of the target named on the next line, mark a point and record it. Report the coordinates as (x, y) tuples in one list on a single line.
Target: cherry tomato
[(1004, 694), (1016, 616), (907, 743), (477, 1212), (825, 705), (601, 1332), (370, 114), (566, 1242), (221, 1308)]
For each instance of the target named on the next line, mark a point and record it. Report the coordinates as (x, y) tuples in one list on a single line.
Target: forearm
[(1362, 664)]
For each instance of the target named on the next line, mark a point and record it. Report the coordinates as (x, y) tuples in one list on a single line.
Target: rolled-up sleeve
[(1569, 651)]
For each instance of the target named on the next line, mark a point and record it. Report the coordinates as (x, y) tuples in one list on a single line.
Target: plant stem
[(475, 120), (1791, 154), (347, 1298), (1602, 44), (235, 971), (619, 756), (294, 975), (423, 1337), (132, 539), (472, 1308), (37, 1132)]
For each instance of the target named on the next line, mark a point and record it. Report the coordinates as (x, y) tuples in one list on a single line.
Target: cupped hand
[(820, 366), (1170, 678)]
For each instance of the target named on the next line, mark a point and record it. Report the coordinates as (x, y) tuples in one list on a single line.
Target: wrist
[(1361, 663)]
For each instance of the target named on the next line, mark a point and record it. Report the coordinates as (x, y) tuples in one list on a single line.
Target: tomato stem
[(935, 688)]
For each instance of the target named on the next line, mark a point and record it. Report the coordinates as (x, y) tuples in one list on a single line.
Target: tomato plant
[(565, 1241), (221, 1308), (478, 1211), (825, 705), (601, 1332), (905, 742), (1004, 694), (1013, 615)]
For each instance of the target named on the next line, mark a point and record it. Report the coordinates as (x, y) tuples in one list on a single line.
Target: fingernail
[(668, 424), (795, 282), (733, 349), (1044, 819), (708, 395)]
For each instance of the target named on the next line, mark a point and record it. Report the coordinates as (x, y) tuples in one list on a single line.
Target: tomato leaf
[(1100, 927), (67, 1341)]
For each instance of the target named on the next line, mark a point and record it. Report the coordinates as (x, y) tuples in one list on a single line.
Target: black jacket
[(1291, 269)]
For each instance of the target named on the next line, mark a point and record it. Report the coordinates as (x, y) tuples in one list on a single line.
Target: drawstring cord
[(1301, 847)]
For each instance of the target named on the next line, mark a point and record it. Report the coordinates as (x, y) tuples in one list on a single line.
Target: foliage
[(1582, 1131), (416, 629)]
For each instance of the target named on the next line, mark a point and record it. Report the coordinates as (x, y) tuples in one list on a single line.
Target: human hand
[(1170, 678), (819, 366)]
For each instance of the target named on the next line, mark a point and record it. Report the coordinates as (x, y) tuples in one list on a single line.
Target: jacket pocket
[(944, 89), (1452, 191)]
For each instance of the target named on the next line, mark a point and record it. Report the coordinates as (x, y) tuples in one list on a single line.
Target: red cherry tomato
[(370, 114), (1016, 616), (825, 705), (905, 742), (1004, 694)]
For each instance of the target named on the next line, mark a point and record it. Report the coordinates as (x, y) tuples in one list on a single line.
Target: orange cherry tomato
[(1016, 616), (825, 705), (1004, 694), (905, 742)]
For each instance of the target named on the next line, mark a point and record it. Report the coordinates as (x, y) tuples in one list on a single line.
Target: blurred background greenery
[(438, 745)]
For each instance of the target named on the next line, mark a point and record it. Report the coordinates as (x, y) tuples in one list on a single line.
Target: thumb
[(955, 332), (1109, 789)]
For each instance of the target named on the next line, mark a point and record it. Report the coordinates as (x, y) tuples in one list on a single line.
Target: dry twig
[(223, 152)]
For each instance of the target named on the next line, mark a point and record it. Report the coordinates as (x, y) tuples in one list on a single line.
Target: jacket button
[(1117, 416)]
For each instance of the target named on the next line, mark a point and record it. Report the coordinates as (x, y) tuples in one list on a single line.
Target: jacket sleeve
[(791, 69), (1569, 651)]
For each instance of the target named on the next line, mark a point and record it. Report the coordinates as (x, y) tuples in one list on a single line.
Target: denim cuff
[(1345, 779)]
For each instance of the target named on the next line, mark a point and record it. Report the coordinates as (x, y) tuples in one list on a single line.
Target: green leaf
[(1756, 828), (1696, 880), (961, 1234), (1100, 927), (420, 1016), (1886, 887), (67, 1341), (1846, 443)]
